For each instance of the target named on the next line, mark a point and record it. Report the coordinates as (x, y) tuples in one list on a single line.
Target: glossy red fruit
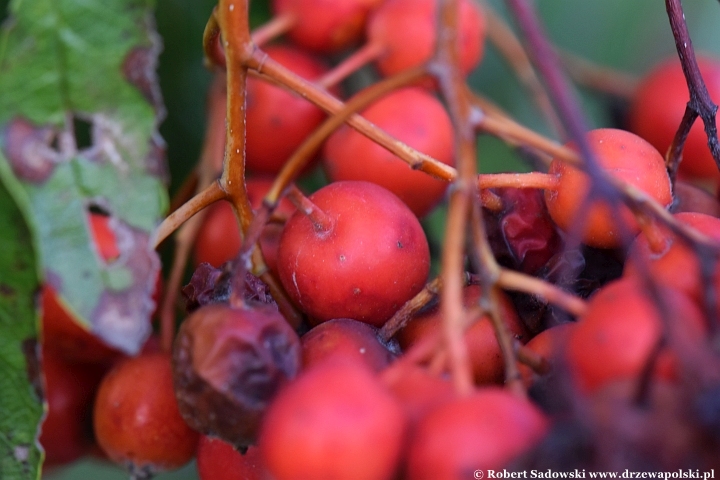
[(66, 431), (334, 421), (624, 156), (136, 417), (659, 105), (615, 338), (483, 349), (367, 264), (218, 460), (407, 29), (219, 238), (479, 432), (279, 120), (347, 339), (326, 26), (676, 265), (414, 117)]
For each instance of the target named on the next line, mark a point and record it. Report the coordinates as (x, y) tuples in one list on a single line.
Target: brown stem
[(491, 201), (398, 321), (505, 340), (214, 55), (305, 152), (544, 181), (360, 58), (504, 39), (322, 222), (183, 246), (548, 65), (417, 160), (657, 240), (233, 20), (512, 280), (446, 68), (207, 197), (538, 363), (285, 306), (185, 192), (277, 26), (700, 101), (598, 77), (673, 156)]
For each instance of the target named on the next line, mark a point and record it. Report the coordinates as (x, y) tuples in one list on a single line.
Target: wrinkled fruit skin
[(136, 417), (373, 259), (228, 365)]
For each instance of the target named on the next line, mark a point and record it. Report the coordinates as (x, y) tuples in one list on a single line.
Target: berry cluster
[(573, 322)]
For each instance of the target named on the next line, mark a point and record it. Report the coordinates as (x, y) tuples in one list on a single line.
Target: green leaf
[(78, 120), (20, 404)]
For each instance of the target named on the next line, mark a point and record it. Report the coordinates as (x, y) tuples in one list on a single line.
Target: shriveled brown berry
[(228, 364)]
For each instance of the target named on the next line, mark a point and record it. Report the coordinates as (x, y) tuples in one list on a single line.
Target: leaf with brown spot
[(79, 119)]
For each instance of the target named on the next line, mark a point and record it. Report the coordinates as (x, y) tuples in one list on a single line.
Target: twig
[(700, 103), (207, 197), (504, 39), (598, 77), (446, 68)]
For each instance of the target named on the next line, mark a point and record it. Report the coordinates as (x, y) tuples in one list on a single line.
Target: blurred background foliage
[(630, 36)]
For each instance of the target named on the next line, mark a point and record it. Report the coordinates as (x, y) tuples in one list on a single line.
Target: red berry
[(217, 460), (136, 417), (676, 265), (344, 338), (483, 349), (334, 421), (407, 28), (278, 120), (623, 155), (414, 117), (326, 26), (373, 258), (66, 432), (483, 431), (614, 339), (417, 390), (549, 344), (658, 108), (219, 238)]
